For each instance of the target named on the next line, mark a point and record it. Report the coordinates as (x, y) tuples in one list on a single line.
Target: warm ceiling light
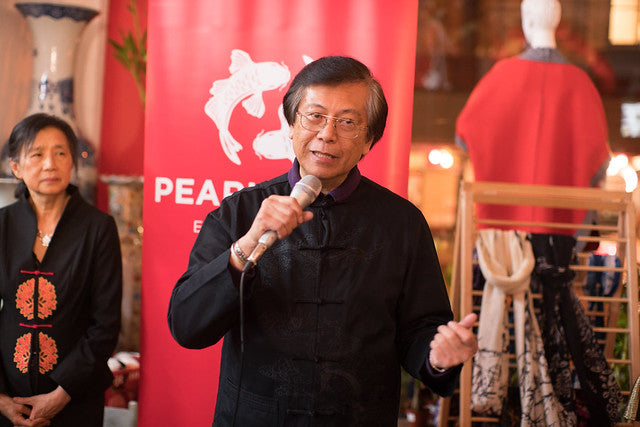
[(624, 23), (441, 157), (617, 163)]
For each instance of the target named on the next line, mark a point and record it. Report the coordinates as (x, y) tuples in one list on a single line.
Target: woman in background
[(60, 285)]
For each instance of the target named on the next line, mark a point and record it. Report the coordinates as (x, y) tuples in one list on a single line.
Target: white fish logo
[(275, 144), (247, 83)]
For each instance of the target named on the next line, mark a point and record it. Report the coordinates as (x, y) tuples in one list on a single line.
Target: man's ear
[(366, 148)]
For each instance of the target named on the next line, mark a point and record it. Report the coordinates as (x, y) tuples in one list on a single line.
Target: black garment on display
[(567, 333)]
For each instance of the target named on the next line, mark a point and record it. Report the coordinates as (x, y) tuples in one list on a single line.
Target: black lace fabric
[(568, 336)]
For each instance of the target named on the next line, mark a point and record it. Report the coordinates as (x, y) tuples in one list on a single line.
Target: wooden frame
[(622, 234)]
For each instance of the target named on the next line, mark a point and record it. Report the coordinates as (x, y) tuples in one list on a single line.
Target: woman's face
[(46, 167)]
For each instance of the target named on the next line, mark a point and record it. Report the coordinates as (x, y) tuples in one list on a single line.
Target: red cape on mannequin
[(531, 122)]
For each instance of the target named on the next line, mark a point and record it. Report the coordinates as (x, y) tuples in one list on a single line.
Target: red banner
[(216, 75)]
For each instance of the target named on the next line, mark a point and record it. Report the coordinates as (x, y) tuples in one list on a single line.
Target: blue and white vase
[(56, 30)]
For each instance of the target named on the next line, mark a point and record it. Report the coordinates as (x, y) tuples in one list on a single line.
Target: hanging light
[(441, 157), (630, 178), (434, 156), (616, 164), (447, 159), (620, 166)]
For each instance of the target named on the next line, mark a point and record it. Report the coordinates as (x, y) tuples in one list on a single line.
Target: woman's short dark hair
[(333, 71), (24, 134)]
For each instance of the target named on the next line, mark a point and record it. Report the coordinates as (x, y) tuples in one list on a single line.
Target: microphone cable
[(240, 369)]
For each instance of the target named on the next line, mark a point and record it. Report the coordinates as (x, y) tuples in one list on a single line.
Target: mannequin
[(540, 18), (535, 119)]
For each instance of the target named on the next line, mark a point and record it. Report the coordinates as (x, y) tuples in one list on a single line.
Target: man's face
[(324, 153)]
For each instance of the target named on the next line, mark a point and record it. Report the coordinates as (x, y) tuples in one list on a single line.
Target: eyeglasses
[(315, 122)]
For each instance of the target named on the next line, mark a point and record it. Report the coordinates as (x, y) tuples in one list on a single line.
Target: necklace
[(45, 239)]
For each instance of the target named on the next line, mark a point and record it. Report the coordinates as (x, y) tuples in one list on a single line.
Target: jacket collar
[(338, 194)]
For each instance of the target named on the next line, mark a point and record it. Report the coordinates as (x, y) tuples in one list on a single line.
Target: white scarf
[(506, 261)]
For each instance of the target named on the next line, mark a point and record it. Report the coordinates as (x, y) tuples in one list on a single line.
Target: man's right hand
[(281, 214)]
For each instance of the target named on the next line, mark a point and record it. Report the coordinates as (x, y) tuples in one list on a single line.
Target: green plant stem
[(132, 52)]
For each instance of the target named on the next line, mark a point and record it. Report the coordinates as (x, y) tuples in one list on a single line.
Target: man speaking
[(350, 289)]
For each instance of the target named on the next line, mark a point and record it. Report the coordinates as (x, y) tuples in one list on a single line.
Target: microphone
[(305, 192)]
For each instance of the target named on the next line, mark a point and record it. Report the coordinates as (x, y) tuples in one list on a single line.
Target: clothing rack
[(619, 229)]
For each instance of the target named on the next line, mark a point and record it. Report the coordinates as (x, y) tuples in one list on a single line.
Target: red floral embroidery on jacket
[(47, 304), (47, 300), (48, 353), (24, 298), (22, 353)]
